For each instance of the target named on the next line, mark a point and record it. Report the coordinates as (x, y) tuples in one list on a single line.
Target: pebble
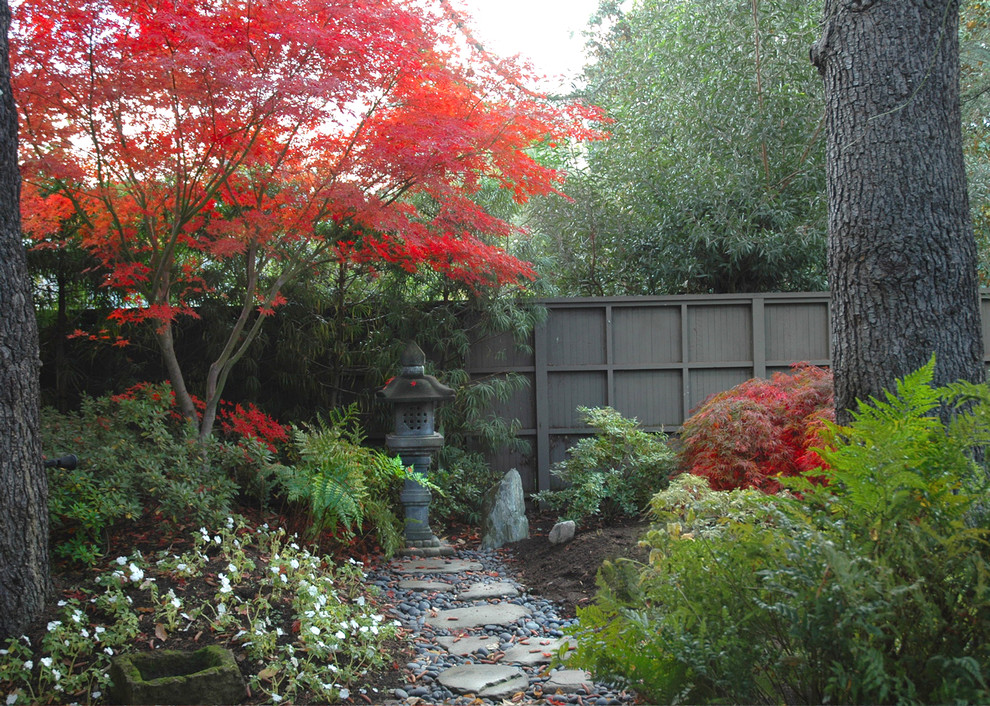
[(431, 659)]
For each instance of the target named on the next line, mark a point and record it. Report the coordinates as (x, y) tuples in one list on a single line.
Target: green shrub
[(612, 473), (871, 589), (135, 456), (462, 478)]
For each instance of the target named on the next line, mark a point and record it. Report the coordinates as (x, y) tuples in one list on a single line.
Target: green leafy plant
[(136, 456), (611, 473), (343, 484), (868, 589), (759, 431)]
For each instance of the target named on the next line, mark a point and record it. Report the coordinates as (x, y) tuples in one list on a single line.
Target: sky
[(540, 30)]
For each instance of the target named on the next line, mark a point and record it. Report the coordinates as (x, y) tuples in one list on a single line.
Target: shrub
[(870, 589), (612, 473), (760, 430), (137, 456), (462, 478)]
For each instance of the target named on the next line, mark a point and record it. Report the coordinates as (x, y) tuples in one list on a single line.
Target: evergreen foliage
[(610, 474), (868, 589), (712, 179)]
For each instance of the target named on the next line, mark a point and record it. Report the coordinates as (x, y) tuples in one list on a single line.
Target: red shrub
[(760, 430), (236, 421)]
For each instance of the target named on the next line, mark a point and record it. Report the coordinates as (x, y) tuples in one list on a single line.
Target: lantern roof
[(413, 384)]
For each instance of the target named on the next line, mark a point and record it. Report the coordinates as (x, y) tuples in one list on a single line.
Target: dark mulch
[(566, 573)]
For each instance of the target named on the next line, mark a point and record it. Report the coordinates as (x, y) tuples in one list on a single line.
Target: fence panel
[(652, 358)]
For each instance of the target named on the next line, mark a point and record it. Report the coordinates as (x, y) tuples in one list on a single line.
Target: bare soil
[(566, 573)]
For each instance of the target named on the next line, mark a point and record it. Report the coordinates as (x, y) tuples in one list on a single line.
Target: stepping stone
[(492, 681), (488, 614), (480, 591), (415, 585), (466, 645), (435, 565), (567, 681), (538, 651)]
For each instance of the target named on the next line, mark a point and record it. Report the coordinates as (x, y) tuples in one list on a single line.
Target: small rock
[(562, 532)]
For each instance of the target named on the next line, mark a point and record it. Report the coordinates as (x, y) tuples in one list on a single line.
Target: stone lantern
[(414, 396)]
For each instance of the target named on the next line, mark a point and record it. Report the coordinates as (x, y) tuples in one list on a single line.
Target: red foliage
[(236, 421), (760, 430), (186, 132)]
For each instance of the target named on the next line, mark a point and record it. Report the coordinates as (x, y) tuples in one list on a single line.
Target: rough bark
[(902, 257), (24, 568)]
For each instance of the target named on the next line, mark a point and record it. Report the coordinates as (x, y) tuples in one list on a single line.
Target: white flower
[(284, 578), (315, 630), (62, 604), (230, 523), (181, 567), (217, 539), (294, 563), (275, 698), (84, 632), (57, 674), (221, 609), (54, 624), (11, 699), (77, 616), (340, 635), (108, 651), (136, 573), (231, 568), (29, 665), (345, 694), (121, 560), (359, 600), (97, 694), (176, 603), (47, 661), (100, 629)]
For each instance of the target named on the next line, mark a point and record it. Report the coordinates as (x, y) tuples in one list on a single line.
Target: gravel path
[(480, 638)]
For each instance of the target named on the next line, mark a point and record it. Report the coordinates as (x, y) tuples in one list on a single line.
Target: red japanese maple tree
[(270, 136)]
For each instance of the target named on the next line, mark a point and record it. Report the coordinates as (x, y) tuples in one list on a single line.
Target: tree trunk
[(24, 569), (902, 257)]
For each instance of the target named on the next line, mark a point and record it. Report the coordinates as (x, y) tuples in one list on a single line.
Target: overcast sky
[(540, 30)]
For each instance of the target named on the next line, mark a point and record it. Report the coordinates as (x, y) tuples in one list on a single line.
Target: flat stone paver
[(481, 591), (535, 651), (435, 565), (492, 681), (473, 616), (466, 645), (567, 681), (416, 585)]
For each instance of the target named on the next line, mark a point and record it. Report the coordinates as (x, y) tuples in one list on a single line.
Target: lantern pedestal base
[(427, 547)]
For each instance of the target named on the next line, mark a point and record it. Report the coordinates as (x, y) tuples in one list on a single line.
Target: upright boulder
[(503, 513)]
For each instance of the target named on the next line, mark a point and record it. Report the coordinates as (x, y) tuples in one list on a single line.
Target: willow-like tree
[(902, 257), (266, 140)]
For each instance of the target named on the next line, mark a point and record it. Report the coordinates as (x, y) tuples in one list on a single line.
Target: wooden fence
[(652, 358)]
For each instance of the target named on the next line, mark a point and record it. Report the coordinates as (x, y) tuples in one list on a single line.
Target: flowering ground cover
[(303, 627)]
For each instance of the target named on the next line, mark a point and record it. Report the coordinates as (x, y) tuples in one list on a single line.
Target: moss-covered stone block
[(207, 676)]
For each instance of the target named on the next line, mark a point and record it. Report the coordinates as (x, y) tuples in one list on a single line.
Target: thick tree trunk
[(24, 569), (902, 257)]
